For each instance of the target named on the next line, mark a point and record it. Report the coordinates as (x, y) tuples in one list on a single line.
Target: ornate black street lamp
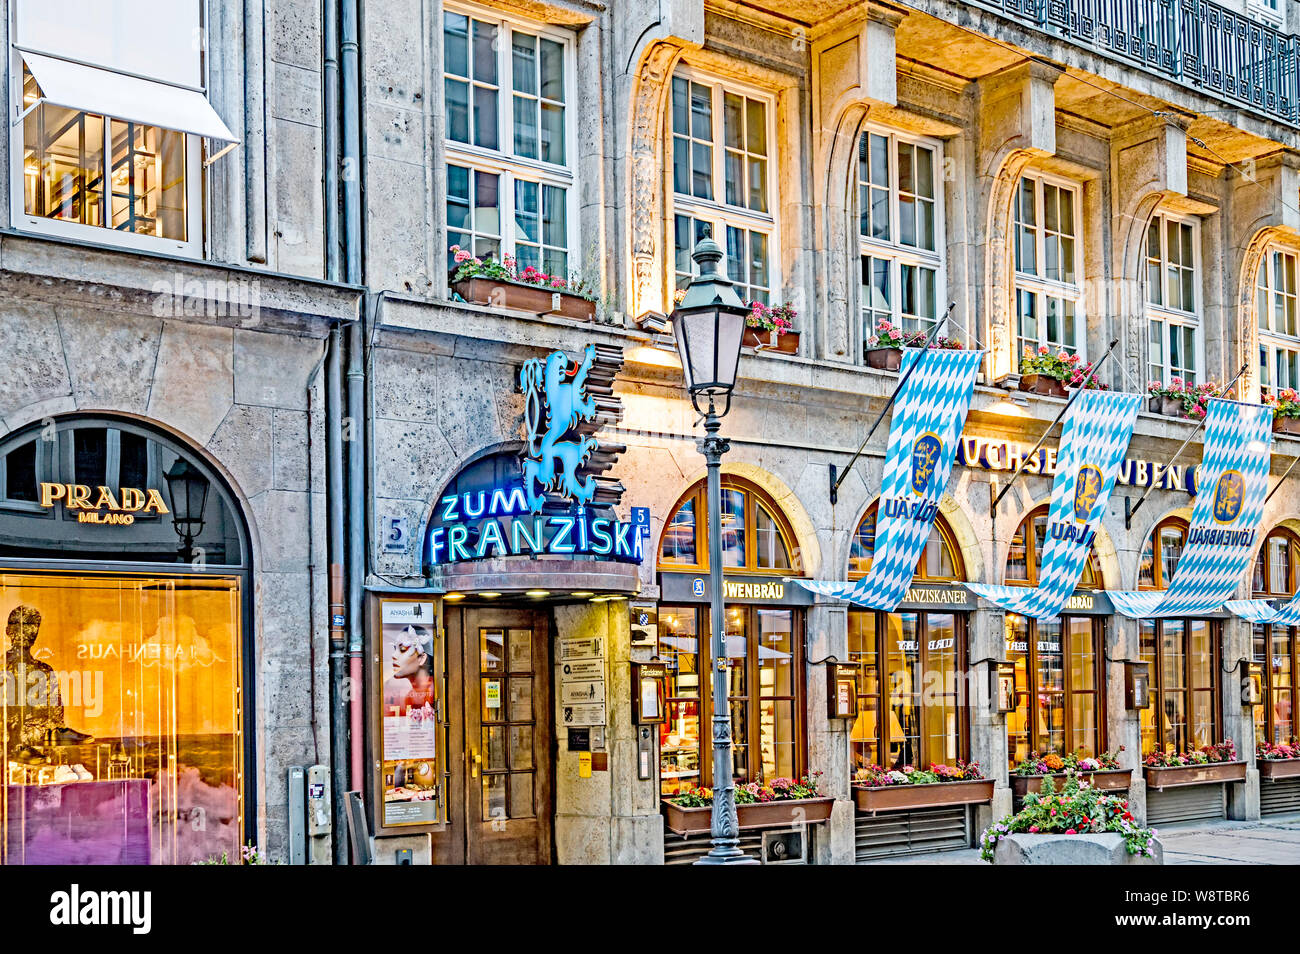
[(188, 490), (709, 324)]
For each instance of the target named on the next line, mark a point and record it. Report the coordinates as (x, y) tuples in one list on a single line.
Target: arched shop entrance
[(1184, 657), (1060, 697), (911, 710), (1277, 651), (125, 595), (765, 642)]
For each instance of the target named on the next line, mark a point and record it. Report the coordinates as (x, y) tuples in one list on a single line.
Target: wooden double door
[(500, 741)]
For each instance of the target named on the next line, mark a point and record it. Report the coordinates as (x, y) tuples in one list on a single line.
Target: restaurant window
[(1059, 703), (1277, 648), (507, 86), (764, 647), (1279, 326), (1048, 266), (1160, 554), (109, 145), (755, 534), (900, 226), (723, 137), (122, 679), (910, 665), (1172, 296)]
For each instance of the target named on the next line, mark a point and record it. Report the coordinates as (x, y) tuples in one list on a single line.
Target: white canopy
[(131, 98)]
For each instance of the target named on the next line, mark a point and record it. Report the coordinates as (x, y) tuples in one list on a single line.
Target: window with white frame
[(1049, 293), (1279, 327), (107, 138), (722, 139), (900, 219), (507, 86), (1173, 298)]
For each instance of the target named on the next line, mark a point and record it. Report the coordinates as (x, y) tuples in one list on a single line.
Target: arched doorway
[(765, 626), (1060, 701), (125, 591)]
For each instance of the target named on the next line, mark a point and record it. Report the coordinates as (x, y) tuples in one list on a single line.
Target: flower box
[(1042, 384), (1286, 425), (1106, 780), (757, 338), (1173, 776), (538, 299), (1107, 848), (1274, 769), (790, 811), (885, 359), (1169, 407), (901, 798)]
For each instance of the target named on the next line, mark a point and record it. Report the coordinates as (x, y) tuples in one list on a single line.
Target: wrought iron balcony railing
[(1196, 42)]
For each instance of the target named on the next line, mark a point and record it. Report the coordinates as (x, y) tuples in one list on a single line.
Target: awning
[(120, 96)]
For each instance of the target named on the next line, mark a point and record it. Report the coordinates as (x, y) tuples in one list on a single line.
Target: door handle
[(475, 761)]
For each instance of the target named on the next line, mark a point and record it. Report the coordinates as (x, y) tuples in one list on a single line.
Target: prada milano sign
[(990, 454)]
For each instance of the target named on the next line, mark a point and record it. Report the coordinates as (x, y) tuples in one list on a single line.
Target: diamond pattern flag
[(929, 413), (1262, 611), (1231, 484), (1094, 436)]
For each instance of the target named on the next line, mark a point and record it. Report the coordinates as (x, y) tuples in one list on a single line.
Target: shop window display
[(1277, 648)]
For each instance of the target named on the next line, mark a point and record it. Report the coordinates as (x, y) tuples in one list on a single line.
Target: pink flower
[(1071, 831)]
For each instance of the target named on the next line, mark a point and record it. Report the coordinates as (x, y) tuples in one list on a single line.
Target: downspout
[(356, 543), (334, 446)]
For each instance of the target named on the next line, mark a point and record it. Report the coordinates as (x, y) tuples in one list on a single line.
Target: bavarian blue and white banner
[(1231, 484), (929, 414), (1262, 611), (1094, 437)]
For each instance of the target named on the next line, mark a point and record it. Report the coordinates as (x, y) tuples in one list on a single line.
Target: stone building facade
[(867, 161)]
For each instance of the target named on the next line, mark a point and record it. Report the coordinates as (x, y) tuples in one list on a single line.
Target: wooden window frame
[(1271, 590), (1157, 676), (754, 495), (946, 536), (879, 699), (1266, 665), (753, 690), (1157, 562), (1031, 556)]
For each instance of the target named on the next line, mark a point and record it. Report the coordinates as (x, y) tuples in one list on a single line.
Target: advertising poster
[(410, 720)]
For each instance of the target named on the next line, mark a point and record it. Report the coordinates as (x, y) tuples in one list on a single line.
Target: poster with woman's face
[(410, 712)]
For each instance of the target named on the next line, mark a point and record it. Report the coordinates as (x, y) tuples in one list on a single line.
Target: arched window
[(1160, 554), (1182, 655), (1027, 548), (1059, 705), (941, 561), (1277, 648), (908, 708), (1276, 295), (756, 537)]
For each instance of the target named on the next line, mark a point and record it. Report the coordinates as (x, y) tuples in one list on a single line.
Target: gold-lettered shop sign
[(989, 454), (101, 505)]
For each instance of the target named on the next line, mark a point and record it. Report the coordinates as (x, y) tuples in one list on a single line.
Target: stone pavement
[(1271, 841)]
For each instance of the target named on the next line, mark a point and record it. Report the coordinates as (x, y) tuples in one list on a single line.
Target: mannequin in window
[(33, 702)]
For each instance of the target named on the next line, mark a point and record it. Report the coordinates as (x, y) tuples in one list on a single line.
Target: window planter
[(1105, 780), (1169, 407), (1178, 775), (885, 359), (1042, 384), (793, 811), (538, 299), (1286, 425), (787, 343), (901, 798), (1274, 769)]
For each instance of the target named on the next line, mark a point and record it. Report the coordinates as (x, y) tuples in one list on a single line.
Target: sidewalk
[(1272, 841)]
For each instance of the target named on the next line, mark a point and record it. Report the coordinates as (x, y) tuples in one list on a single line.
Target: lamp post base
[(726, 855)]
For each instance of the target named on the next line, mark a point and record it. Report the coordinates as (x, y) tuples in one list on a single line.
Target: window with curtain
[(1048, 266), (723, 137), (1173, 299), (1277, 648), (507, 85), (1060, 707), (1279, 325), (900, 225)]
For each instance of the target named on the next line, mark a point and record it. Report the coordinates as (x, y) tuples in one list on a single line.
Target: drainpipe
[(356, 543), (334, 487)]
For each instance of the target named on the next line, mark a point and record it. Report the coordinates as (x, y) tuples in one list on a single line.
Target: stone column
[(828, 739), (988, 728), (1238, 720), (1124, 725)]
